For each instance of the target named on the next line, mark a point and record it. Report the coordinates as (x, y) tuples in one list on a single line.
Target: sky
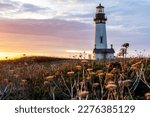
[(65, 28)]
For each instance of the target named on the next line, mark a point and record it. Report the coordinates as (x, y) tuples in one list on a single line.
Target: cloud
[(50, 33), (70, 29), (18, 10), (31, 8), (67, 9), (64, 20), (6, 6)]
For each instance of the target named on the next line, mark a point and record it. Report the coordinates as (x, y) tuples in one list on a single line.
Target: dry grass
[(35, 78)]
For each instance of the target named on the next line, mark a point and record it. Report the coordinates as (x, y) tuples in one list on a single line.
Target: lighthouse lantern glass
[(100, 10)]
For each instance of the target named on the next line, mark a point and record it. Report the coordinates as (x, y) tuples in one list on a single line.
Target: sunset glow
[(65, 27)]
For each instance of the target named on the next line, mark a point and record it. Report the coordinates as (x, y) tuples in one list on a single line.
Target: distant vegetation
[(34, 59), (74, 79)]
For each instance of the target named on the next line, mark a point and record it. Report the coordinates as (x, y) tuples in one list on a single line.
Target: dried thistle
[(136, 65), (83, 94), (46, 83), (147, 96), (49, 78), (89, 69), (109, 75), (78, 67), (23, 82), (70, 73), (111, 86), (127, 83)]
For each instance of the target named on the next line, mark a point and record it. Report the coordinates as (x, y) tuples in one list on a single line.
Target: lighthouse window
[(100, 10), (101, 39)]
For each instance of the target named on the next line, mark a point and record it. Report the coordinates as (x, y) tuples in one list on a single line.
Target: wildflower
[(119, 54), (134, 68), (111, 82), (109, 75), (136, 65), (70, 73), (23, 82), (123, 49), (83, 94), (78, 67), (46, 83), (126, 45), (89, 69), (147, 96), (127, 83), (111, 86), (114, 71), (49, 78), (92, 73)]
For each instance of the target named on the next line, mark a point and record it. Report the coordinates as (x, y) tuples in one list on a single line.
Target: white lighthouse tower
[(101, 51)]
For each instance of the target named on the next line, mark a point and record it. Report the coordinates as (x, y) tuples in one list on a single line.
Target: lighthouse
[(101, 51)]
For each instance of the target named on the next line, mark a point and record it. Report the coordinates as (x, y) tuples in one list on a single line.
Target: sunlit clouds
[(54, 27), (42, 36)]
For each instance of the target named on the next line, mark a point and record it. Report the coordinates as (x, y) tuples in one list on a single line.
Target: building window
[(101, 39)]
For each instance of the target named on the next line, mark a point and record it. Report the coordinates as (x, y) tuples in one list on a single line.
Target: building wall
[(110, 56), (101, 56), (100, 31)]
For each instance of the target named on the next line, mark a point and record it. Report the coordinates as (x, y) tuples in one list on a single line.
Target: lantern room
[(99, 9)]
